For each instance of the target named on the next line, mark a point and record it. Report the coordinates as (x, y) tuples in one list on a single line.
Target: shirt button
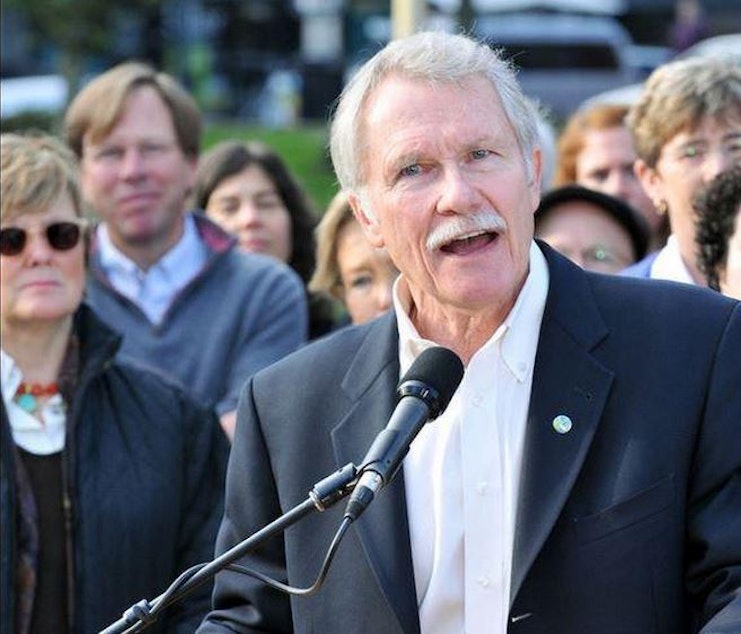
[(477, 400), (482, 488), (484, 581)]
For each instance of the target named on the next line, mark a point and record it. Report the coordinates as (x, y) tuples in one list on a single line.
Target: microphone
[(424, 393)]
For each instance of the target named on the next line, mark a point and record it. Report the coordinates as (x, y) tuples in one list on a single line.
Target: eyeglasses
[(61, 236)]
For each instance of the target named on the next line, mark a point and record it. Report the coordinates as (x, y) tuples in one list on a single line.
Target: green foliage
[(80, 26), (304, 149), (78, 29), (82, 29), (24, 121)]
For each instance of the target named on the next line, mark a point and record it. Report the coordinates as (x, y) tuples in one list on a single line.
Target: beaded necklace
[(27, 395)]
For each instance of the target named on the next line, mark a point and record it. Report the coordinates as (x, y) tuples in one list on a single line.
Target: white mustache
[(461, 227)]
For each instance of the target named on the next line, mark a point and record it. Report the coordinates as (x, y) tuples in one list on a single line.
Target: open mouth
[(469, 243), (462, 234)]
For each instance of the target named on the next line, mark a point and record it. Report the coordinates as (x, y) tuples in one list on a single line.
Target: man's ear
[(191, 176), (367, 220), (537, 171)]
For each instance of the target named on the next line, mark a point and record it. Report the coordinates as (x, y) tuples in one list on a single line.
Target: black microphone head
[(434, 377)]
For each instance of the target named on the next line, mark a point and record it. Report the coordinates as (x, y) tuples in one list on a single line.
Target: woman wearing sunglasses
[(110, 482)]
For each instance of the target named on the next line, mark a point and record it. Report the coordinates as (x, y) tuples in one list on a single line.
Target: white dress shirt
[(154, 290), (30, 433), (462, 471), (669, 264)]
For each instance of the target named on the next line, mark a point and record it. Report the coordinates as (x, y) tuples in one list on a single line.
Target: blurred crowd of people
[(145, 282)]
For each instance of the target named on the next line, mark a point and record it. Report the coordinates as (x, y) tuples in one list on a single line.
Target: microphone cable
[(146, 613)]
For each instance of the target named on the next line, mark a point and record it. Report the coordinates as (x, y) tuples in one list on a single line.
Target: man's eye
[(411, 170), (600, 176), (600, 254), (109, 153), (152, 148), (627, 171), (480, 154)]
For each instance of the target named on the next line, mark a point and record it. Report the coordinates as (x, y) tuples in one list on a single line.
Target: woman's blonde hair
[(677, 96), (326, 278), (36, 170)]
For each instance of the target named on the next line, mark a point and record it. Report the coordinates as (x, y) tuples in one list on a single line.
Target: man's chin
[(143, 234)]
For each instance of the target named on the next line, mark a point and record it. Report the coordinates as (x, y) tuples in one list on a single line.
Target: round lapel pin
[(562, 424)]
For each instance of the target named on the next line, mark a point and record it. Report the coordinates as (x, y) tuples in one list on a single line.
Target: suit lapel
[(371, 384), (568, 382)]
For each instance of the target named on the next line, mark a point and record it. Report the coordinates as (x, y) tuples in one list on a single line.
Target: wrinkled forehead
[(399, 107)]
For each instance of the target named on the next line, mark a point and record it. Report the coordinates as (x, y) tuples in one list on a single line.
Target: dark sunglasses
[(61, 236)]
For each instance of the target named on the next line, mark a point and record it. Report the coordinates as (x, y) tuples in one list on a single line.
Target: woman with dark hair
[(248, 189)]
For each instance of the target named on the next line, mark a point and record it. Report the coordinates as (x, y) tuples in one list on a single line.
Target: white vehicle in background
[(727, 46), (723, 46), (562, 58), (46, 94)]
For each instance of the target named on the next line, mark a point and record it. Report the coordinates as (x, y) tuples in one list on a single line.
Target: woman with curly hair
[(718, 232)]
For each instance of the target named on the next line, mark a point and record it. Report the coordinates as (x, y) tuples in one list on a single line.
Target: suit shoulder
[(259, 267), (334, 352), (663, 302)]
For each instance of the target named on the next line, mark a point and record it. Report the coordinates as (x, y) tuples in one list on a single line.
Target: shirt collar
[(669, 264), (518, 334), (179, 258), (520, 341), (28, 432), (10, 376), (110, 257)]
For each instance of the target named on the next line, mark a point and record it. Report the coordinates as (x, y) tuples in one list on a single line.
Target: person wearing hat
[(597, 231)]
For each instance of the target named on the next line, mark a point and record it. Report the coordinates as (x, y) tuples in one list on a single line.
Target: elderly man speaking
[(585, 475)]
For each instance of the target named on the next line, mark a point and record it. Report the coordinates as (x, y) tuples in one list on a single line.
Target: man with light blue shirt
[(187, 301)]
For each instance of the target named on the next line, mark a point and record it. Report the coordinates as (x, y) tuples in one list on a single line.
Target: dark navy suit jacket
[(630, 523)]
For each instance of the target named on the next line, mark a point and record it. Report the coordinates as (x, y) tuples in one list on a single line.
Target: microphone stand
[(323, 495)]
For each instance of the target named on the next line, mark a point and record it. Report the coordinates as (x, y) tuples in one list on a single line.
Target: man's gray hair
[(435, 57)]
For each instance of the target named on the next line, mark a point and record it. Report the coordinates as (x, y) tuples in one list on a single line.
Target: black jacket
[(145, 472), (628, 523)]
